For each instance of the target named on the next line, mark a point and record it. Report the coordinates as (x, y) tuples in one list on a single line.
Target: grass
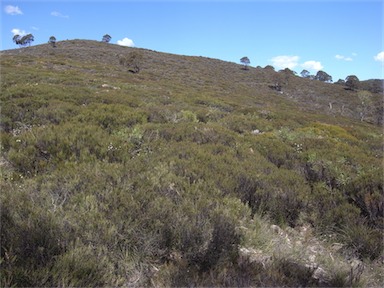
[(157, 178)]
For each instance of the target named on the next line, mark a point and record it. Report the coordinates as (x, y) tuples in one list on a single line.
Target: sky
[(339, 37)]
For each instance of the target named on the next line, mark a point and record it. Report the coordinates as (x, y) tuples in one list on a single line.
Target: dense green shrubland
[(150, 182)]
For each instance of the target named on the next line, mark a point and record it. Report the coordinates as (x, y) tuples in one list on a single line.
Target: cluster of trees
[(351, 81), (23, 40), (320, 75)]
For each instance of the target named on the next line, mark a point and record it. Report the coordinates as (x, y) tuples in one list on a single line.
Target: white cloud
[(17, 31), (379, 57), (12, 10), (283, 61), (126, 42), (312, 65), (58, 14), (342, 57)]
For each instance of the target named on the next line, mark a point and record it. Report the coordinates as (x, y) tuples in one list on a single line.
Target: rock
[(252, 255), (110, 86), (357, 268), (320, 275), (312, 258), (277, 230), (337, 247)]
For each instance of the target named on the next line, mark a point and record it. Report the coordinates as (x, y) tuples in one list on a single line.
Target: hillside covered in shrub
[(129, 167)]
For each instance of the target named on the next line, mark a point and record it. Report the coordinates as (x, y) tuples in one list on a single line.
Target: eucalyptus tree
[(245, 61), (24, 40), (366, 104), (323, 76), (17, 39), (106, 38), (52, 41), (352, 82), (305, 74), (27, 39)]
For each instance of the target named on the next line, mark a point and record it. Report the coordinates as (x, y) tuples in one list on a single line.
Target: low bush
[(79, 267), (362, 241), (276, 151), (31, 237), (366, 192), (280, 195)]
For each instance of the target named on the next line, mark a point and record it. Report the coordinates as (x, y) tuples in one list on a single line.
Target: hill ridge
[(76, 42), (312, 95)]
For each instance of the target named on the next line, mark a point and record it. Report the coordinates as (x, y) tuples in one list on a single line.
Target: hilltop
[(130, 167)]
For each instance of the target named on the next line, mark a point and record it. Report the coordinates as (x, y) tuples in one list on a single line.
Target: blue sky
[(339, 37)]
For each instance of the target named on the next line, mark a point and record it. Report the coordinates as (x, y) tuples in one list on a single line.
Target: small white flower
[(110, 147)]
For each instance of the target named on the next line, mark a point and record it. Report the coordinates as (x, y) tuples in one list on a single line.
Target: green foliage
[(245, 61), (52, 41), (277, 152), (31, 236), (352, 82), (133, 61), (330, 210), (366, 192), (81, 267), (160, 178), (364, 241), (23, 40)]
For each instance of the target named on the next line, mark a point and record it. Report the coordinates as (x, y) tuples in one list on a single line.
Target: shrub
[(79, 267), (57, 111), (133, 61), (31, 237), (112, 116), (363, 241), (366, 192), (328, 208), (45, 148), (275, 150), (223, 245), (280, 195), (285, 272)]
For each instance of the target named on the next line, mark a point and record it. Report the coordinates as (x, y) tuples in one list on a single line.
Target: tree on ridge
[(52, 41), (305, 74), (245, 61), (323, 76), (352, 82), (106, 38), (17, 39), (23, 41)]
